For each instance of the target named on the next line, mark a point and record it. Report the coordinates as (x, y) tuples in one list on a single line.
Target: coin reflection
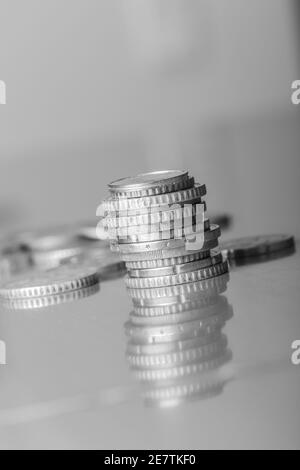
[(51, 300), (176, 347)]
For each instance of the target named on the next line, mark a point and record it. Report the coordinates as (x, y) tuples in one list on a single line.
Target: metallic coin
[(145, 361), (164, 227), (180, 316), (194, 242), (183, 370), (176, 269), (163, 254), (175, 279), (206, 287), (184, 196), (51, 300), (147, 217), (180, 308), (169, 262), (256, 246), (177, 233), (159, 188), (163, 209), (146, 181), (45, 283), (179, 294), (234, 262)]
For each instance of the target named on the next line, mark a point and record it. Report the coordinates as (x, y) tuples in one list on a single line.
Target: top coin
[(147, 181)]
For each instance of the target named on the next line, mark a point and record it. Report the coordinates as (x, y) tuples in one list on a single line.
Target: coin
[(177, 268), (179, 294), (186, 195), (159, 188), (148, 181), (51, 300), (175, 279), (168, 234), (45, 283), (262, 258), (256, 245), (163, 227), (195, 242), (152, 216), (167, 262)]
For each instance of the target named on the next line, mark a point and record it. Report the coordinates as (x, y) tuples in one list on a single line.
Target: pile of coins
[(42, 268), (175, 277), (157, 223)]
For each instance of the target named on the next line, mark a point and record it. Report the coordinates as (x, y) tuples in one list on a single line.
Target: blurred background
[(101, 89)]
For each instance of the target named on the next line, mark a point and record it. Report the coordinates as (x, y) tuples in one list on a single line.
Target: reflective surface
[(68, 384)]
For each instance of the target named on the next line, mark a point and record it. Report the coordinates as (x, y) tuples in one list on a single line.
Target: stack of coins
[(157, 223)]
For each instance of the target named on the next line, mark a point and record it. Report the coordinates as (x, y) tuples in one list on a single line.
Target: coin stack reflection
[(177, 351)]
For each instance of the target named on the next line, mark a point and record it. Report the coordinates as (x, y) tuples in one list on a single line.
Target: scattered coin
[(256, 245), (32, 303), (52, 282)]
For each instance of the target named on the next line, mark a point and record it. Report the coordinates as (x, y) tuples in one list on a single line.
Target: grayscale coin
[(150, 181), (256, 245), (161, 200), (177, 268), (44, 283), (32, 303), (176, 279)]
